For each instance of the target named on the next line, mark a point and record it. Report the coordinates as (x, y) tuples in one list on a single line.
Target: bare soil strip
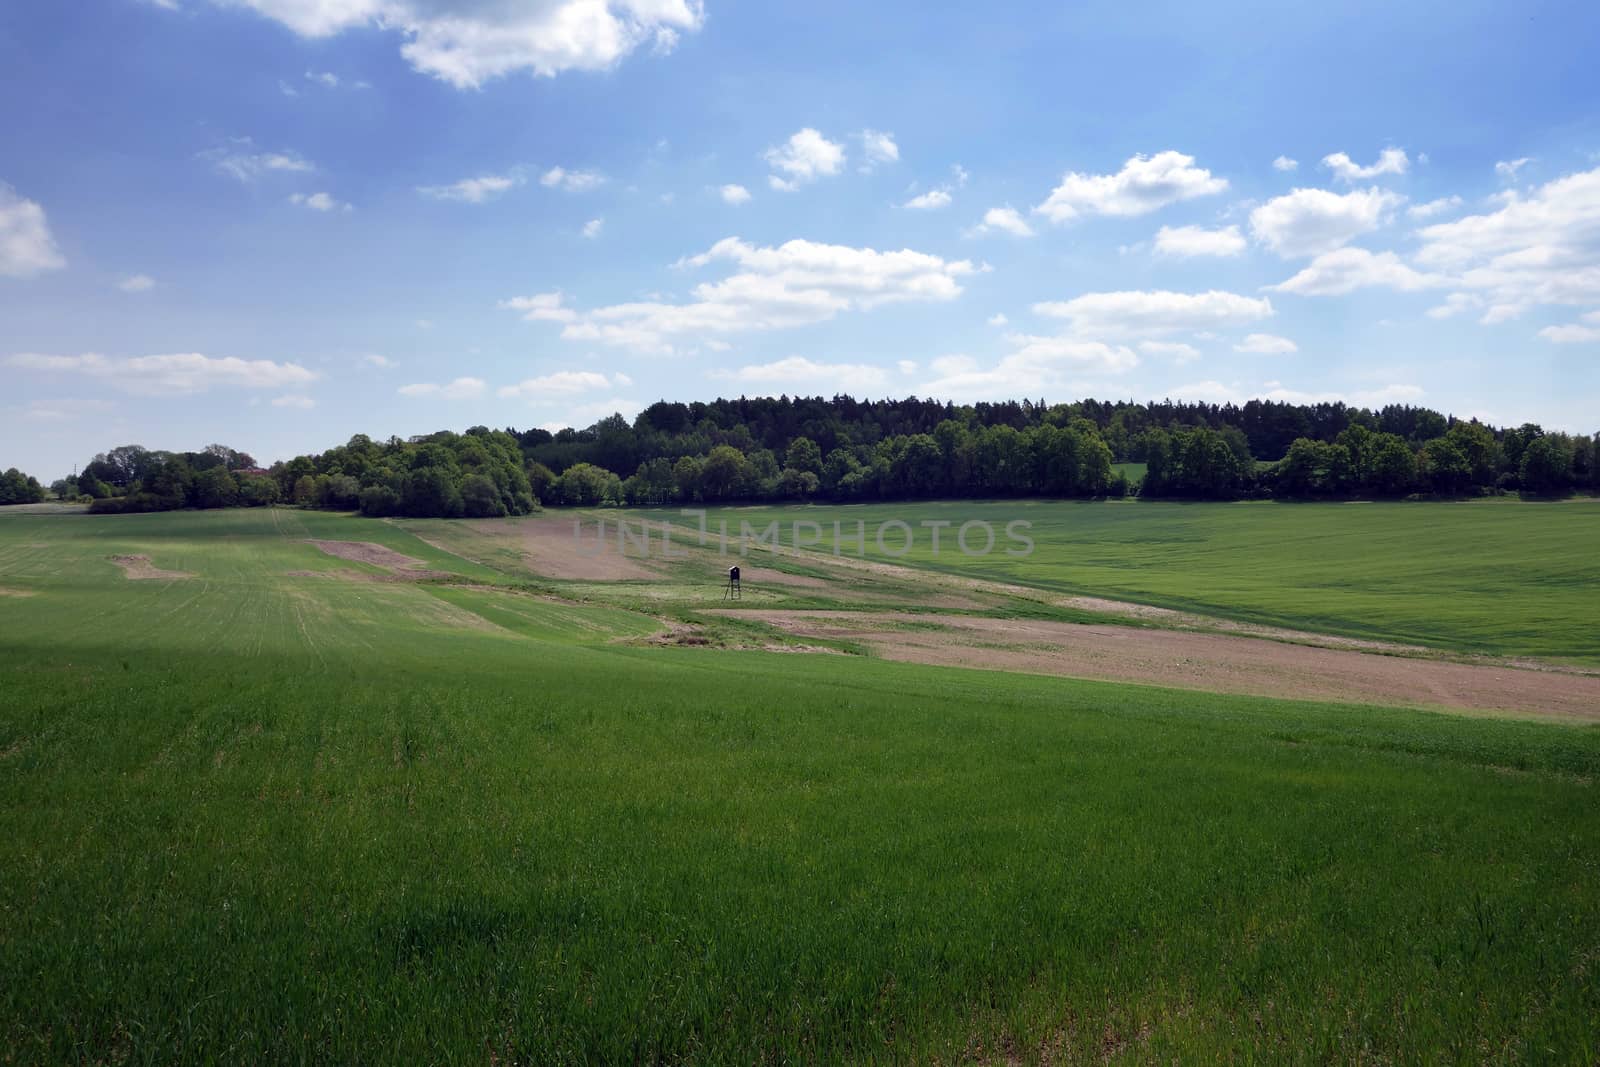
[(1221, 663), (15, 592), (139, 568), (549, 548), (379, 556)]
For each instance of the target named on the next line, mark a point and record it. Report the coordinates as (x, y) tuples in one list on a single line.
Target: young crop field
[(286, 785), (1501, 577)]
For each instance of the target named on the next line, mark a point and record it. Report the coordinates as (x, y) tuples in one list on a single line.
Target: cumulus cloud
[(294, 400), (1345, 270), (1059, 364), (1308, 222), (1185, 242), (1574, 333), (1455, 304), (137, 283), (793, 284), (473, 190), (562, 384), (1390, 161), (877, 147), (1285, 164), (998, 319), (929, 201), (460, 389), (1539, 249), (1178, 351), (319, 202), (734, 194), (1136, 313), (1266, 344), (239, 160), (1144, 184), (1434, 207), (469, 42), (592, 228), (1004, 220), (572, 181), (542, 307), (27, 248), (171, 374), (800, 371), (375, 360), (803, 158)]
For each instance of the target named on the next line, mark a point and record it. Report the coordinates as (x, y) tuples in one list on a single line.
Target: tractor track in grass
[(1214, 662)]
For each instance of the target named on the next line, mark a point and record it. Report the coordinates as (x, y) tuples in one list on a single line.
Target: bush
[(379, 500)]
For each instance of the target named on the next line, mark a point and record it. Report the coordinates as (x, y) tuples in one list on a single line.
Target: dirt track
[(1212, 662)]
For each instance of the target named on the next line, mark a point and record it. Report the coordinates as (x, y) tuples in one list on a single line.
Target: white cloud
[(542, 307), (375, 360), (793, 284), (572, 181), (907, 366), (592, 228), (1143, 185), (798, 370), (877, 147), (27, 248), (325, 79), (1135, 313), (137, 283), (1390, 161), (286, 89), (165, 5), (1434, 207), (998, 319), (734, 194), (1188, 241), (473, 190), (171, 374), (805, 157), (1307, 222), (469, 42), (1266, 344), (1058, 364), (1507, 168), (1570, 334), (1285, 164), (294, 400), (1180, 352), (562, 384), (239, 161), (1345, 270), (1004, 219), (460, 389), (1455, 304), (930, 200), (319, 202), (1540, 249)]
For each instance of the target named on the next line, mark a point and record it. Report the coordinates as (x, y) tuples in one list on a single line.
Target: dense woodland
[(841, 449)]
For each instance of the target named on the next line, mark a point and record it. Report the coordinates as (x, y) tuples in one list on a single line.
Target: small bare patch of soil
[(15, 592), (139, 568), (1223, 663)]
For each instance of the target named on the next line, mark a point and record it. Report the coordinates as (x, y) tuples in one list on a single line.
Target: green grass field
[(1502, 576), (249, 816)]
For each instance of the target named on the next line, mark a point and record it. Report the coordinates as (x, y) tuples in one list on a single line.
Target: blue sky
[(275, 223)]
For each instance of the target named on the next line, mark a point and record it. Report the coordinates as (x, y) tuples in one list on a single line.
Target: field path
[(1220, 663)]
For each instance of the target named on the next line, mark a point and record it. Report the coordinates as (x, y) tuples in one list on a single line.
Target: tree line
[(841, 449)]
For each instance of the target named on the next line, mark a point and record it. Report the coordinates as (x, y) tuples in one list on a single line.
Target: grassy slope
[(1503, 577), (252, 816)]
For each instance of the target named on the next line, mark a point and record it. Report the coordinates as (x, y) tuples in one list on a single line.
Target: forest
[(842, 449)]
